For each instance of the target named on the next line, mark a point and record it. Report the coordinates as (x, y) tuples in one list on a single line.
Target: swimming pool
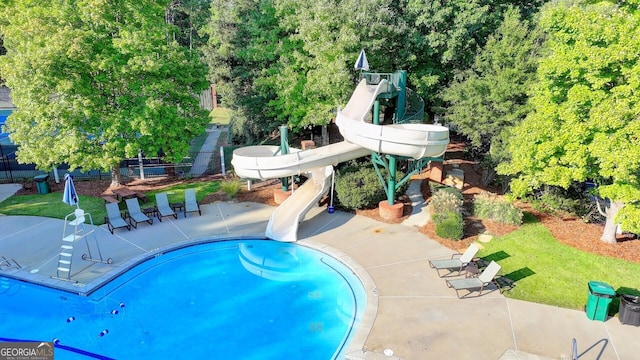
[(248, 299)]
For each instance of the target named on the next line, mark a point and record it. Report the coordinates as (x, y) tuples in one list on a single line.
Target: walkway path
[(419, 213), (201, 162), (7, 190)]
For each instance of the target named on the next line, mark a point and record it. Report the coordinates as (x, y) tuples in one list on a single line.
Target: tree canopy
[(291, 62), (491, 96), (585, 123), (96, 82)]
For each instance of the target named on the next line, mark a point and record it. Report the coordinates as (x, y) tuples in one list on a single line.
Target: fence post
[(222, 160), (141, 164), (5, 164), (55, 175)]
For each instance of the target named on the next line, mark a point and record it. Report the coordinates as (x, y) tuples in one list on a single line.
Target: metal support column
[(376, 112), (284, 149), (391, 181)]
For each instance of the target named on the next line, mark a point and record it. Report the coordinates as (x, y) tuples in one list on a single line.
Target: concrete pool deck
[(411, 313)]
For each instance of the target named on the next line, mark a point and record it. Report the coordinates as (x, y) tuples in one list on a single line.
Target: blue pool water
[(244, 299)]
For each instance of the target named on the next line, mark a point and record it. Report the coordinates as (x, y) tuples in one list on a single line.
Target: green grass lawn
[(548, 272), (220, 116), (51, 205)]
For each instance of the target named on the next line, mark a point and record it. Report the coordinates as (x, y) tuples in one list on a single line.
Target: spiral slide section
[(411, 140), (264, 162)]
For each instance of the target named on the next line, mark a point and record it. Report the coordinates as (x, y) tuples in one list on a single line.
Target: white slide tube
[(411, 140), (264, 162), (283, 224)]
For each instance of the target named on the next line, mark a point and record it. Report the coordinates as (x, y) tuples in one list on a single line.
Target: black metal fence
[(195, 165)]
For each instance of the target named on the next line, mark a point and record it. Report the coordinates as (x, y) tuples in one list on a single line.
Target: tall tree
[(291, 62), (491, 96), (96, 82), (189, 16), (3, 51), (287, 62), (328, 35), (245, 43), (449, 33), (586, 119)]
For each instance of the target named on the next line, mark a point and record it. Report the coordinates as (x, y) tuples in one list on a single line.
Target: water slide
[(361, 137)]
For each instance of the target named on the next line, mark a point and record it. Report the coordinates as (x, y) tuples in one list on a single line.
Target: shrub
[(360, 189), (231, 187), (446, 199), (449, 225), (436, 187), (489, 206)]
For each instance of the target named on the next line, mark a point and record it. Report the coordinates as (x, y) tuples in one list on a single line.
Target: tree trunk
[(116, 177), (610, 226)]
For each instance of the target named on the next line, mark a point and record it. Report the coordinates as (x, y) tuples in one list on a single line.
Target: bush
[(446, 199), (360, 189), (489, 206), (449, 225), (436, 187), (231, 187)]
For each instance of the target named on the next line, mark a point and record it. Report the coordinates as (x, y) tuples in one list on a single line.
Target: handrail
[(414, 108), (374, 78)]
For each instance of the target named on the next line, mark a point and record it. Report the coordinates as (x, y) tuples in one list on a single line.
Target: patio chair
[(457, 262), (475, 283), (190, 202), (114, 219), (163, 208), (134, 214)]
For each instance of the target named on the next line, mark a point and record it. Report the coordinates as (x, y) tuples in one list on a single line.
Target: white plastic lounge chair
[(190, 202), (457, 262), (114, 219), (475, 283), (163, 207), (134, 213)]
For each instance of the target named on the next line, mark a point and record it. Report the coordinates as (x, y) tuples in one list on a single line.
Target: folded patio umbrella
[(362, 63), (69, 197)]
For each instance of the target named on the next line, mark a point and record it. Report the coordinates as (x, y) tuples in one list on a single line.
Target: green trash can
[(42, 184), (600, 296)]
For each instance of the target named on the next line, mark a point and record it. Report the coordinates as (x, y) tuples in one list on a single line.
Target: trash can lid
[(599, 287), (630, 298), (41, 177)]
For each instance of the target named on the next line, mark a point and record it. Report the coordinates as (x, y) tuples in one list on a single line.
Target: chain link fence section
[(13, 172)]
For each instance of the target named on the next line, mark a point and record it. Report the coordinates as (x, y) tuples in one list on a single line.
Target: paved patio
[(411, 314)]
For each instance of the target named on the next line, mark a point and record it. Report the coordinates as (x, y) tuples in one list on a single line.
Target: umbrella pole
[(331, 209)]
